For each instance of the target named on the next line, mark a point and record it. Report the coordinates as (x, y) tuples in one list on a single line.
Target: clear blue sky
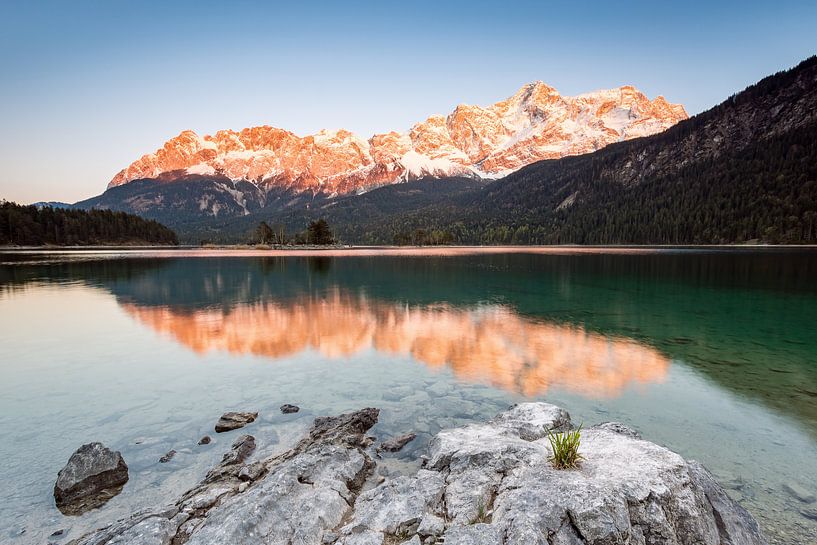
[(87, 87)]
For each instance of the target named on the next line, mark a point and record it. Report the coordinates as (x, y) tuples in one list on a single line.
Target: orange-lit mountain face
[(486, 344), (486, 142)]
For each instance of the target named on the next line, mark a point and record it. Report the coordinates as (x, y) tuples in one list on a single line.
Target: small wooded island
[(40, 226)]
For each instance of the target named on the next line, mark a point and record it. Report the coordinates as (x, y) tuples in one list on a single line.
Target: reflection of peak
[(491, 344)]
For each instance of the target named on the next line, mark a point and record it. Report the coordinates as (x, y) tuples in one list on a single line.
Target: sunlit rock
[(535, 123)]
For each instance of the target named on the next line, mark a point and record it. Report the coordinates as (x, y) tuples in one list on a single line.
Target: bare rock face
[(232, 421), (297, 496), (93, 475), (483, 484), (535, 123), (492, 484)]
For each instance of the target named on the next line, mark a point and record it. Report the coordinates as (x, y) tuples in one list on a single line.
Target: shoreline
[(241, 250)]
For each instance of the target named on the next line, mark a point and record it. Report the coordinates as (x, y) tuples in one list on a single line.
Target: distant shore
[(246, 250)]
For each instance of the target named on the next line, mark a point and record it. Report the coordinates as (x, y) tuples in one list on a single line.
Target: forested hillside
[(35, 226), (743, 171)]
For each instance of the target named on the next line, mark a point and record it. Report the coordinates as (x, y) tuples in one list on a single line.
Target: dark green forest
[(35, 226), (743, 172), (765, 193)]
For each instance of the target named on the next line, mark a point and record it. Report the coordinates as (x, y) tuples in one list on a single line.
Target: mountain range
[(603, 167), (535, 123)]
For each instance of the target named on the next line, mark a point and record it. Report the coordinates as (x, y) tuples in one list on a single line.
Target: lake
[(711, 352)]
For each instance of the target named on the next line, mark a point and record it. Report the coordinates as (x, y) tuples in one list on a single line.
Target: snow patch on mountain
[(202, 168)]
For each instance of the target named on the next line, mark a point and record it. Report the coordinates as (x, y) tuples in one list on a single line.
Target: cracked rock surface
[(484, 484), (294, 497), (492, 484)]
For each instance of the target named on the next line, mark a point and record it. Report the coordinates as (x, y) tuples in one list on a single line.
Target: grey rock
[(140, 529), (397, 443), (299, 497), (809, 512), (289, 409), (251, 472), (397, 393), (617, 427), (799, 492), (498, 487), (484, 484), (93, 475), (431, 525), (474, 534), (242, 448), (167, 457), (530, 421), (232, 421), (438, 389), (312, 488), (396, 506), (205, 440), (417, 398), (735, 524)]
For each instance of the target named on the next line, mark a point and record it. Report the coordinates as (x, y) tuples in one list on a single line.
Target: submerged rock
[(289, 409), (233, 421), (799, 492), (93, 475), (167, 457), (483, 484), (397, 443), (809, 512)]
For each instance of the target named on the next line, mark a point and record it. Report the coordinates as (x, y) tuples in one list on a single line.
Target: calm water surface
[(712, 353)]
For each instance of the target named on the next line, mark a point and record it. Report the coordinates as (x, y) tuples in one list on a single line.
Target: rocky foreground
[(481, 484)]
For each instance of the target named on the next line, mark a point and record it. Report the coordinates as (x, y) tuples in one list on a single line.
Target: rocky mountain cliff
[(485, 142)]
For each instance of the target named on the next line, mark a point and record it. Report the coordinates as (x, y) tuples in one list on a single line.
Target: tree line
[(317, 233), (36, 226)]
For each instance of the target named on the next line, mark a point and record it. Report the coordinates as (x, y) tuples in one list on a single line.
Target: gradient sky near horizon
[(86, 87)]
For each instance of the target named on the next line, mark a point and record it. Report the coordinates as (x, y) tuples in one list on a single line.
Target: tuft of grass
[(565, 448), (482, 514)]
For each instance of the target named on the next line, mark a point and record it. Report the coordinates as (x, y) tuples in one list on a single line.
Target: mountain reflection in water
[(490, 344)]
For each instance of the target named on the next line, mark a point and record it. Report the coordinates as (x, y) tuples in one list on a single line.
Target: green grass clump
[(565, 448), (482, 514)]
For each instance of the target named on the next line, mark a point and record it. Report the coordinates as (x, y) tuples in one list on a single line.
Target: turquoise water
[(712, 353)]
